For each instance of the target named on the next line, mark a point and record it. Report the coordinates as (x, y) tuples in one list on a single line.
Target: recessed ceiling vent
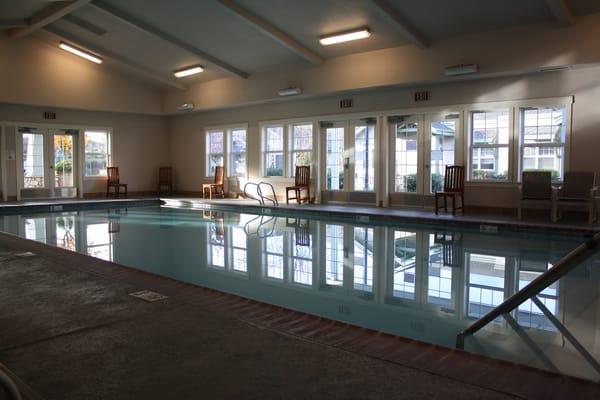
[(186, 107), (462, 69)]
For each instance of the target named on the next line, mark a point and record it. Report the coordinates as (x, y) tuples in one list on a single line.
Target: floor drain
[(147, 295)]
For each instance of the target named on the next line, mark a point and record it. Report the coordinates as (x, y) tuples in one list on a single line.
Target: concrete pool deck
[(70, 330)]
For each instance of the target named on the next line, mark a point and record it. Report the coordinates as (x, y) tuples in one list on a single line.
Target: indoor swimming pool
[(424, 282)]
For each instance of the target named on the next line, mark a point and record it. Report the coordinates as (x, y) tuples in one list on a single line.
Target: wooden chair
[(114, 182), (454, 186), (165, 179), (535, 189), (452, 248), (578, 189), (302, 181), (301, 230), (215, 189)]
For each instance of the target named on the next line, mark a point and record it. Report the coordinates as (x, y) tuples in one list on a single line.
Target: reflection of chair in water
[(219, 220), (301, 230), (452, 248)]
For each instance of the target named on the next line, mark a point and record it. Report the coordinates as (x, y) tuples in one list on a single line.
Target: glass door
[(421, 146), (349, 154), (48, 162)]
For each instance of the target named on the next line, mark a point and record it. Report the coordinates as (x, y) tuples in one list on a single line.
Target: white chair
[(535, 190), (578, 189)]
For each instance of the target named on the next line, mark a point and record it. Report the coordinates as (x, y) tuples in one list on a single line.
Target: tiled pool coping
[(42, 206), (481, 371)]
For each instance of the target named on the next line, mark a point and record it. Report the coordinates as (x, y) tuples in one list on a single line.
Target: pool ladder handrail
[(262, 223), (9, 386), (566, 264), (261, 199)]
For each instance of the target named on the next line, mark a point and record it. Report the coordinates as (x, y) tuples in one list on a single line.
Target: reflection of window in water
[(274, 255), (439, 285), (529, 314), (334, 255), (65, 232), (363, 259), (405, 251), (35, 229), (238, 249), (99, 241), (485, 283), (216, 244), (301, 261)]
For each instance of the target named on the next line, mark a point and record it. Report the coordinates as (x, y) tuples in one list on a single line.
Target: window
[(405, 260), (406, 156), (301, 260), (273, 251), (238, 249), (237, 152), (335, 158), (98, 153), (301, 145), (443, 138), (273, 155), (363, 259), (485, 283), (215, 145), (489, 137), (99, 241), (439, 285), (216, 245), (334, 255), (542, 135), (33, 160)]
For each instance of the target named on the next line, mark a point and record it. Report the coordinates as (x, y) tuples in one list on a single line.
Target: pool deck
[(70, 330)]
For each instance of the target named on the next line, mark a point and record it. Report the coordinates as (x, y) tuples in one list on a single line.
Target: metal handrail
[(10, 387), (260, 201), (263, 197), (580, 254), (260, 226)]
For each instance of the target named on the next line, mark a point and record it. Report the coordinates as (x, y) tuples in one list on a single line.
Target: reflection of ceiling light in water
[(196, 69), (346, 36), (79, 52)]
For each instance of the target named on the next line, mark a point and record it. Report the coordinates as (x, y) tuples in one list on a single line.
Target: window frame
[(227, 149), (265, 152), (229, 170), (292, 150), (209, 154), (110, 156), (288, 146)]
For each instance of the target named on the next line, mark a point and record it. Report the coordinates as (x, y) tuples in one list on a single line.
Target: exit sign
[(346, 103), (422, 95)]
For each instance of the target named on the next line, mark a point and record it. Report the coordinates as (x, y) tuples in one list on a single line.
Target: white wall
[(140, 143), (188, 137)]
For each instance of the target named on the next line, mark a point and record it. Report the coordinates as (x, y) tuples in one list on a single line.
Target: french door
[(349, 154), (421, 146), (48, 162)]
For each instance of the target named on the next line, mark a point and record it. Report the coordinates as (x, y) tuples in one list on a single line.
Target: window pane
[(543, 125), (546, 158), (406, 157), (363, 259), (33, 160), (489, 127), (334, 255), (274, 138), (443, 134), (405, 252), (214, 160), (274, 164), (486, 283), (489, 163), (237, 163), (301, 158), (302, 137), (97, 153), (238, 141), (439, 285), (215, 142), (364, 157), (335, 158)]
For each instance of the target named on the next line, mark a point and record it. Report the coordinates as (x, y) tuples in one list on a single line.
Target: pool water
[(418, 281)]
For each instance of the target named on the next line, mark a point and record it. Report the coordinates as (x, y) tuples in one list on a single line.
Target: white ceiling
[(216, 30)]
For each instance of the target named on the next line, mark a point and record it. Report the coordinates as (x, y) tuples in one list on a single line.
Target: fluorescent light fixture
[(462, 69), (187, 71), (289, 91), (80, 52), (346, 36)]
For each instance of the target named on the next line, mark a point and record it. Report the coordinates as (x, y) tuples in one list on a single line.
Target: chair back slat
[(537, 184), (302, 175), (218, 175), (113, 175), (164, 175), (454, 178), (577, 185)]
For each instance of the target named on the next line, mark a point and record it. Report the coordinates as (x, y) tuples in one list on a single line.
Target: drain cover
[(147, 295)]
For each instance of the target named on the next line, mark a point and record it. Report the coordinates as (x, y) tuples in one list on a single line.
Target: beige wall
[(34, 72), (140, 143), (188, 137)]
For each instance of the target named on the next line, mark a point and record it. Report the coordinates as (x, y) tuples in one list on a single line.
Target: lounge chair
[(215, 189), (302, 182), (535, 189), (165, 179), (454, 186), (114, 182), (578, 189)]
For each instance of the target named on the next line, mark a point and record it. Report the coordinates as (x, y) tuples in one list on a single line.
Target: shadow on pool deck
[(69, 330)]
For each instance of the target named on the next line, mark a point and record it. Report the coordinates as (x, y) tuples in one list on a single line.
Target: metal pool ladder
[(9, 386), (261, 197), (566, 264)]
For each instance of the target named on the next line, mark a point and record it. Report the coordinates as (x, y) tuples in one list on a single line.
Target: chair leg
[(445, 203), (591, 211), (520, 212), (287, 196), (453, 205), (435, 205)]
